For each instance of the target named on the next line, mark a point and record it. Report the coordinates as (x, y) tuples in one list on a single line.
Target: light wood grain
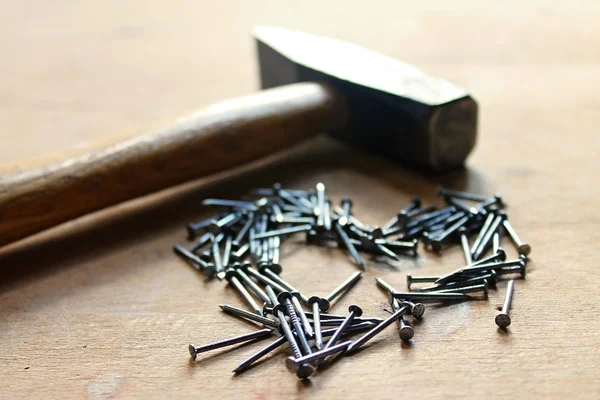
[(101, 308)]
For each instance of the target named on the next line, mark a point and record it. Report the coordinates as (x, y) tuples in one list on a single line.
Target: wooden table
[(102, 308)]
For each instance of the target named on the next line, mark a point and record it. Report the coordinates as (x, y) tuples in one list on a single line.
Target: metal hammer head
[(396, 110)]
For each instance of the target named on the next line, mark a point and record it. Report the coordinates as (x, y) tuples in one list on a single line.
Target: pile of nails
[(241, 245)]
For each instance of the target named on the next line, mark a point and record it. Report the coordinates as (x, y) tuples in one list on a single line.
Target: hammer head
[(396, 110)]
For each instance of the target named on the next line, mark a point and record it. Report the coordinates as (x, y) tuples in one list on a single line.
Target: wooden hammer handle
[(211, 140)]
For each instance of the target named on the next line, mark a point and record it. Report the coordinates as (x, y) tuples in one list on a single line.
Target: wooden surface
[(101, 308)]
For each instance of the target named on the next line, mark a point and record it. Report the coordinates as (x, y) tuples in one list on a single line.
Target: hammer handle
[(213, 139)]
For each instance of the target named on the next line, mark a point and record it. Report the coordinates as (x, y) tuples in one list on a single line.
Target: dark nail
[(377, 329), (346, 285), (238, 312), (522, 248), (194, 351), (503, 319)]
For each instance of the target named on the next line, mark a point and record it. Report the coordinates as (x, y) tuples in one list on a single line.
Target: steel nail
[(194, 351), (346, 285), (522, 248), (238, 312), (353, 311), (485, 242), (307, 369), (405, 331), (203, 241), (259, 354), (503, 319), (419, 279), (464, 242), (207, 269), (484, 228), (377, 329), (351, 249), (300, 312), (293, 364), (460, 195), (317, 304), (432, 297), (284, 231), (231, 277), (285, 300)]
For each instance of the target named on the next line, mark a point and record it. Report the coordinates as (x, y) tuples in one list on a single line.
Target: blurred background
[(75, 73)]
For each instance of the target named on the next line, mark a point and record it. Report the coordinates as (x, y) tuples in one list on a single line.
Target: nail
[(442, 192), (276, 213), (219, 225), (245, 228), (402, 217), (287, 196), (495, 243), (293, 364), (433, 297), (195, 228), (437, 242), (522, 248), (488, 235), (227, 250), (317, 304), (246, 205), (503, 319), (203, 241), (353, 311), (415, 309), (491, 278), (318, 210), (265, 280), (405, 331), (327, 215), (231, 277), (285, 300), (300, 312), (440, 220), (461, 205), (385, 251), (400, 246), (194, 351), (346, 212), (520, 269), (496, 200), (484, 228), (268, 271), (261, 353), (207, 269), (474, 269), (346, 285), (238, 312), (272, 295), (276, 250), (216, 253), (419, 279), (442, 213), (249, 283), (351, 249), (307, 369), (377, 329), (464, 242), (481, 287), (284, 231)]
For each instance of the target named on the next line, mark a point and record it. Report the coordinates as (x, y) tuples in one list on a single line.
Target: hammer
[(312, 84)]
